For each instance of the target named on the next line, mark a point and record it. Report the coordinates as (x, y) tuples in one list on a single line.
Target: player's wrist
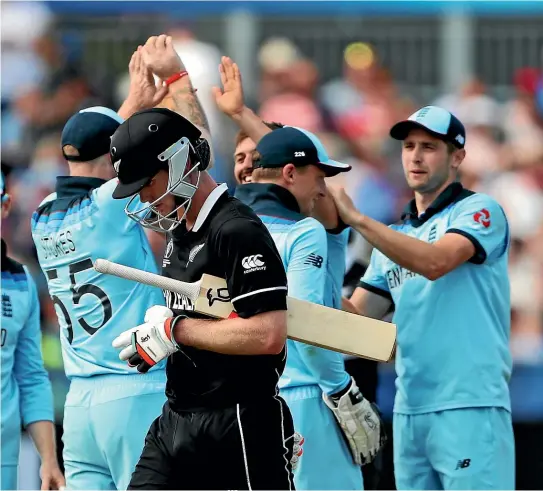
[(242, 115), (175, 329)]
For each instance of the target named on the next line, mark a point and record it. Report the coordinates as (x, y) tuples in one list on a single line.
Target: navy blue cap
[(90, 131), (296, 146), (435, 120)]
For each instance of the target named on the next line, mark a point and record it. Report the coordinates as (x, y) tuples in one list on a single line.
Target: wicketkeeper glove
[(146, 345), (360, 422)]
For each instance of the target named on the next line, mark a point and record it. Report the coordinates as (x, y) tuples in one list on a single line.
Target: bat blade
[(351, 334), (307, 322)]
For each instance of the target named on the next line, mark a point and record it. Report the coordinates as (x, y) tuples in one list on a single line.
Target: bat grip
[(190, 290)]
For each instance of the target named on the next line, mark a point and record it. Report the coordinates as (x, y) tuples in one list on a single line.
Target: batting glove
[(360, 422), (146, 345)]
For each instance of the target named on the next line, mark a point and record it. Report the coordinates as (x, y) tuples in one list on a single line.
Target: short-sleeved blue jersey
[(72, 228), (303, 245), (453, 333)]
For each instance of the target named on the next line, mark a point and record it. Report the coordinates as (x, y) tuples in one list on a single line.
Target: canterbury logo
[(116, 165), (252, 261)]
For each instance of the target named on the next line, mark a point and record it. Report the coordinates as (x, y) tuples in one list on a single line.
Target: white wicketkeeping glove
[(146, 345), (360, 422)]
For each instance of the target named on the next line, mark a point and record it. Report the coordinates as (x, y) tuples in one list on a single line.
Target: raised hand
[(160, 57), (344, 204), (229, 99)]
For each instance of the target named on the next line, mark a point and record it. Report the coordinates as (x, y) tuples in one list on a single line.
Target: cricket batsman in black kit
[(223, 426)]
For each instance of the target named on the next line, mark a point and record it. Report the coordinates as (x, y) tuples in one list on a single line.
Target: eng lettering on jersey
[(57, 244), (253, 263), (397, 276), (482, 217), (176, 301)]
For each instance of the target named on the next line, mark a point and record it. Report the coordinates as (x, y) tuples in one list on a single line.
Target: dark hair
[(271, 125)]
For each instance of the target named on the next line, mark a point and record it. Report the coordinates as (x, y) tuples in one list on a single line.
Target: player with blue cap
[(445, 268), (109, 406)]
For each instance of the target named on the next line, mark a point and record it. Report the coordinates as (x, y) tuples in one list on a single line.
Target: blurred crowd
[(42, 84)]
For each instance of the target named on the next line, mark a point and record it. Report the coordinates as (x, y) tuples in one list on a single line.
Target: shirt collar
[(74, 186), (4, 252), (449, 195), (208, 205), (260, 196)]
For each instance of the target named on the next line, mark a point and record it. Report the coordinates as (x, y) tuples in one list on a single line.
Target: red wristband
[(176, 77)]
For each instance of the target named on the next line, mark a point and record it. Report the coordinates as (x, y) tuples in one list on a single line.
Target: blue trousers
[(326, 462), (106, 419), (470, 448)]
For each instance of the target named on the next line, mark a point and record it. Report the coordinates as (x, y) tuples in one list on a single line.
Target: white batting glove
[(360, 422), (146, 345)]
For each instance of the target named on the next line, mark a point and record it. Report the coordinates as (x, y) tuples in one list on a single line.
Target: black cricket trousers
[(246, 446)]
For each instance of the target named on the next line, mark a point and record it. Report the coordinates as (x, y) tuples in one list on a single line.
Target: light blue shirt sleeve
[(36, 397), (374, 279), (306, 275), (481, 219), (113, 208)]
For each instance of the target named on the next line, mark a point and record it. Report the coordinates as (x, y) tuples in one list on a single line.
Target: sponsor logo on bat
[(217, 295)]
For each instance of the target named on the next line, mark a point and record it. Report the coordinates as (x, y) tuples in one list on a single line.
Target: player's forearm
[(235, 336), (413, 254), (43, 436), (182, 99), (327, 367), (251, 124)]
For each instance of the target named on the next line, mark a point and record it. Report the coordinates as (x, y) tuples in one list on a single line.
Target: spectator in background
[(44, 108), (22, 68)]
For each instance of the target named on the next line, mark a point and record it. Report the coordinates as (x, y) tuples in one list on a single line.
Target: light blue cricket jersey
[(453, 333), (72, 228), (303, 245), (26, 390)]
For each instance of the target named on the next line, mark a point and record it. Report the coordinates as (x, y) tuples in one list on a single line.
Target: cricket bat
[(307, 322)]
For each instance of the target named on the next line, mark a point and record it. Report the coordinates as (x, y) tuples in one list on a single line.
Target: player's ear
[(6, 205), (289, 173), (457, 157)]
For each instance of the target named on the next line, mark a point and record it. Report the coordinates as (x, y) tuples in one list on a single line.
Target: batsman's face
[(243, 161), (426, 161), (156, 188), (308, 186)]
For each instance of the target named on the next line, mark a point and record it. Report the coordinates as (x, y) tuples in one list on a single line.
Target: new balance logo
[(7, 309), (314, 260), (462, 464), (253, 263)]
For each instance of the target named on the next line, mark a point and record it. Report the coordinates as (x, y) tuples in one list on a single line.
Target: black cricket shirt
[(227, 240)]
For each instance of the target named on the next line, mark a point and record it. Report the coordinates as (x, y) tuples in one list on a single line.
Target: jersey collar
[(452, 193), (269, 199), (4, 253), (208, 205), (72, 187)]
